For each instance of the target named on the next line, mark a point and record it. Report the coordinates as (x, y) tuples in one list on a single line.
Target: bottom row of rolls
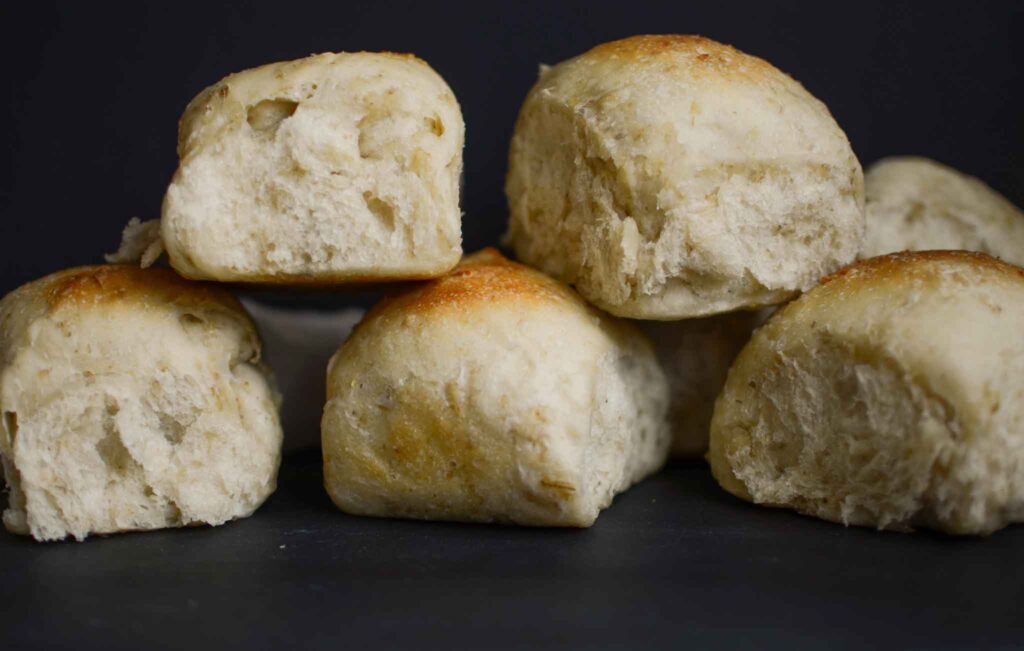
[(891, 395)]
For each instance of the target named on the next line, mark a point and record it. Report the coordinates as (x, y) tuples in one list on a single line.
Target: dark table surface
[(674, 561)]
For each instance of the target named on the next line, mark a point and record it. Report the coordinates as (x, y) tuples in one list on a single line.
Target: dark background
[(95, 92), (94, 98)]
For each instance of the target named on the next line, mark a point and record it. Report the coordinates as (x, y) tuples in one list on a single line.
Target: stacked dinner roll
[(135, 399), (677, 179), (700, 272), (337, 167), (889, 396), (671, 177)]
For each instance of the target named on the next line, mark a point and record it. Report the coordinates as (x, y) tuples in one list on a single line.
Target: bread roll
[(337, 167), (131, 399), (890, 396), (916, 204), (670, 177), (493, 394), (695, 355), (297, 344)]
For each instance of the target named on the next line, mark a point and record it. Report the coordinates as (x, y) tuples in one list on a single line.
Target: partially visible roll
[(671, 177), (917, 204), (132, 399), (891, 396), (695, 355), (492, 394), (297, 344), (333, 168)]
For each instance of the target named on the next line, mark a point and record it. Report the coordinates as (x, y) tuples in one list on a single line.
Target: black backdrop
[(95, 92)]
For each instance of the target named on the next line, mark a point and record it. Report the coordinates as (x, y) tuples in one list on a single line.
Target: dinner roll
[(337, 167), (670, 177), (695, 355), (131, 399), (916, 204), (891, 396), (493, 394)]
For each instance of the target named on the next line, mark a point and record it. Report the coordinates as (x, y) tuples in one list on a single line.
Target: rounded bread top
[(951, 321), (915, 203), (101, 286), (747, 108), (483, 277)]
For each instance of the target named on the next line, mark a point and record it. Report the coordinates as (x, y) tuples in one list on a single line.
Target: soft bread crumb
[(333, 168), (141, 244), (671, 177), (132, 400), (888, 396)]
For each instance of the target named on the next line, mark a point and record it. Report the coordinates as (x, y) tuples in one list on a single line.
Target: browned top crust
[(485, 276), (654, 44), (701, 54), (918, 263), (108, 283), (84, 288)]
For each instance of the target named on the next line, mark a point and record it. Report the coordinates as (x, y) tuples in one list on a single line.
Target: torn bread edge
[(141, 243)]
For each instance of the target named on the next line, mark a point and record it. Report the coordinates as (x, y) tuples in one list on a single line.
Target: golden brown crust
[(65, 293), (703, 54), (655, 44), (107, 283), (904, 262), (485, 276)]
